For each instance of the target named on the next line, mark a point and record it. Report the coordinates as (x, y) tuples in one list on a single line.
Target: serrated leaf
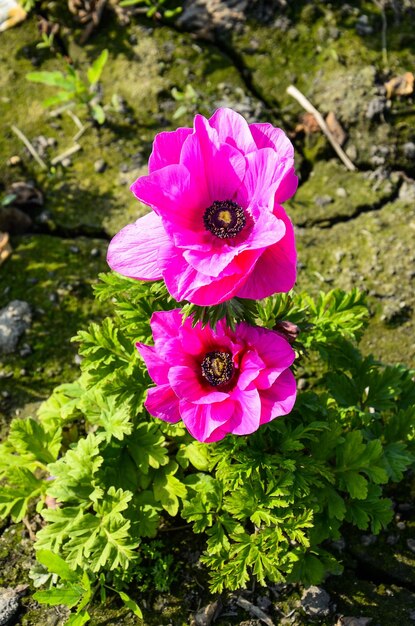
[(69, 595), (130, 604), (147, 448), (168, 489), (56, 565), (30, 439)]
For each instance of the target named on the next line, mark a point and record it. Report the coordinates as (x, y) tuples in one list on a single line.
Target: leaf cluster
[(106, 475), (73, 88)]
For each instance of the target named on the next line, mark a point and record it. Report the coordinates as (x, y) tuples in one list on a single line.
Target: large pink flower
[(217, 228), (217, 382)]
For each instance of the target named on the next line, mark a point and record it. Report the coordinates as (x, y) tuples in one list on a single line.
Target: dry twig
[(254, 610), (66, 154), (306, 104), (29, 146)]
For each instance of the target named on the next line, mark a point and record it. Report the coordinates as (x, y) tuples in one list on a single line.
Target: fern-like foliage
[(105, 475)]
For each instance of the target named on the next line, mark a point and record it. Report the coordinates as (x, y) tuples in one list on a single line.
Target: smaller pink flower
[(217, 381)]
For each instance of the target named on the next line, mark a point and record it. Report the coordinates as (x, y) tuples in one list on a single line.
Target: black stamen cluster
[(224, 218), (217, 368)]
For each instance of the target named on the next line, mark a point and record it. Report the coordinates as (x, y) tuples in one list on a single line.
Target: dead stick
[(65, 154), (29, 146), (306, 104), (81, 132)]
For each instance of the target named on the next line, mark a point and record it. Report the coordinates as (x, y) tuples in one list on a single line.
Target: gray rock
[(363, 27), (409, 149), (10, 603), (376, 107), (15, 318), (411, 544), (407, 191), (316, 602), (353, 621), (100, 166)]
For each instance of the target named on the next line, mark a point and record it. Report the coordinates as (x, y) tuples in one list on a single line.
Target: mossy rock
[(374, 252), (55, 277), (320, 51), (144, 65), (333, 194)]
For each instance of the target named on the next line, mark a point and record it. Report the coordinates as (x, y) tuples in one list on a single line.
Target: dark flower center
[(217, 368), (224, 218)]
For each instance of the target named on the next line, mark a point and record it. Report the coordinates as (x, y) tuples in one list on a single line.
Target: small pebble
[(368, 540), (341, 192), (100, 166), (25, 350), (363, 27), (411, 544), (401, 525), (409, 150), (14, 160), (66, 162), (95, 252), (74, 249), (316, 602)]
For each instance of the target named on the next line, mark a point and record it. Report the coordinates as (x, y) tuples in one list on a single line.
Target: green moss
[(55, 278), (333, 193), (373, 252), (323, 55)]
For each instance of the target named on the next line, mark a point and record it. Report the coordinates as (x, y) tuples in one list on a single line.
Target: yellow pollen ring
[(225, 217)]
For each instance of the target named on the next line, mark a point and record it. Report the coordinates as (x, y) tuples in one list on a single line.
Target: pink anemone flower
[(217, 228), (217, 381)]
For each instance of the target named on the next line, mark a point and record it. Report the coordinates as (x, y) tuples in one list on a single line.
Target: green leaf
[(53, 79), (147, 448), (197, 454), (30, 439), (78, 619), (168, 489), (98, 113), (95, 71), (105, 411), (21, 489), (61, 96), (56, 565), (69, 595), (130, 604)]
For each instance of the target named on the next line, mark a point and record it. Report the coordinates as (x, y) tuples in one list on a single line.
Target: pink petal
[(232, 129), (216, 169), (166, 148), (162, 402), (165, 325), (287, 186), (267, 136), (247, 419), (133, 251), (275, 270), (251, 366), (275, 351), (266, 175), (168, 191), (187, 386), (202, 419), (157, 367), (185, 283), (225, 258), (280, 398)]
